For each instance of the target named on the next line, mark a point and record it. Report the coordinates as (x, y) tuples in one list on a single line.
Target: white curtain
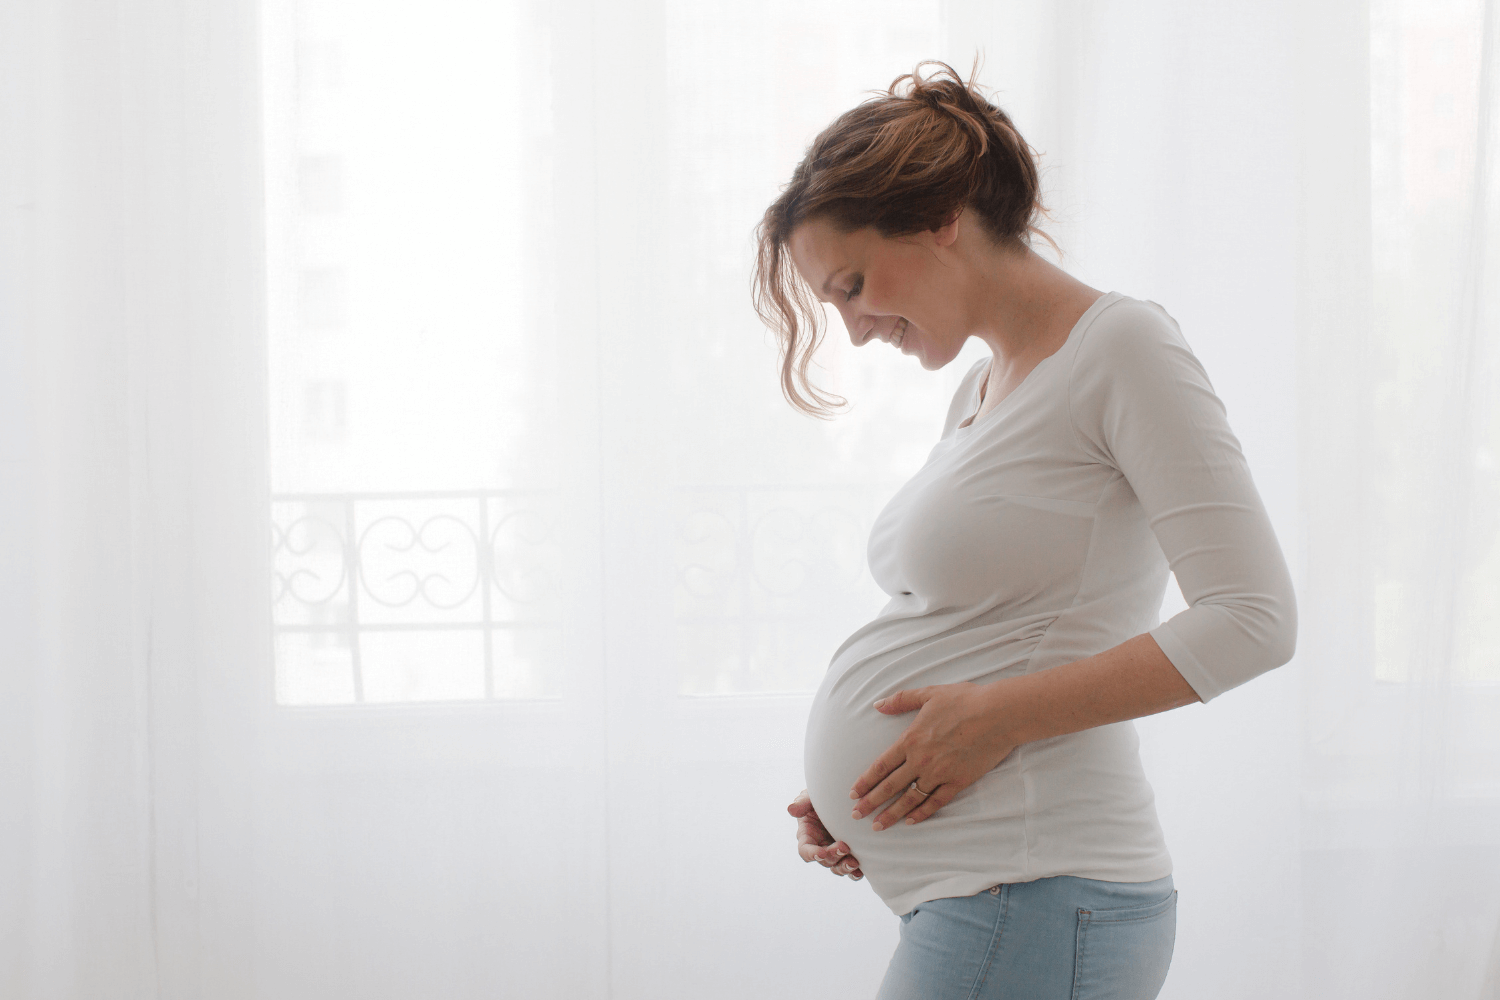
[(413, 583)]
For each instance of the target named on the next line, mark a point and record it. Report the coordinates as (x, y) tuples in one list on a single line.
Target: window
[(412, 527)]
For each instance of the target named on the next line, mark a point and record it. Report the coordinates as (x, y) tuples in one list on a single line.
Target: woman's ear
[(948, 232)]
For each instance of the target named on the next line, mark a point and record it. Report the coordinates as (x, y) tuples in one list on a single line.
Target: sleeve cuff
[(1186, 663)]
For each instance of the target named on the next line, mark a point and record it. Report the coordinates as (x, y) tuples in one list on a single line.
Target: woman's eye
[(854, 289)]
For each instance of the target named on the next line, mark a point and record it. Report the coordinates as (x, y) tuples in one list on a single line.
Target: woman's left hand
[(958, 736)]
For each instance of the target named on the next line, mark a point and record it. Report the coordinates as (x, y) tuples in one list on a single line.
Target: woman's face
[(892, 290)]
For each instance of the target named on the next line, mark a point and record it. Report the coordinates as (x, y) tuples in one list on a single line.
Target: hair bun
[(961, 99)]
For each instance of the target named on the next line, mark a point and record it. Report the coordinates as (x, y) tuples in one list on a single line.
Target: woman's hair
[(905, 162)]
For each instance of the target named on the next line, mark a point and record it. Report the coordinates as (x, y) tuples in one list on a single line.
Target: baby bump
[(982, 824), (842, 741), (844, 731)]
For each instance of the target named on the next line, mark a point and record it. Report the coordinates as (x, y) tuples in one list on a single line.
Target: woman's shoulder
[(1129, 324), (1130, 339), (1133, 356)]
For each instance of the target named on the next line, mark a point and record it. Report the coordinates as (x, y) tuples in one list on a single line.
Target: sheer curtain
[(414, 584), (1401, 429)]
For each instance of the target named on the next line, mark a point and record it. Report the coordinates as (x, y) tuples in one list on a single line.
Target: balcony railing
[(455, 596), (399, 597)]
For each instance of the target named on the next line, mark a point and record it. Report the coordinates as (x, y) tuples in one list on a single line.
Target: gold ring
[(919, 790)]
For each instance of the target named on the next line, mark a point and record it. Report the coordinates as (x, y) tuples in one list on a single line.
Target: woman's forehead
[(815, 239), (820, 249)]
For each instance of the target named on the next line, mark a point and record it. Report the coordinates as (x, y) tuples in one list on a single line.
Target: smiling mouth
[(899, 333)]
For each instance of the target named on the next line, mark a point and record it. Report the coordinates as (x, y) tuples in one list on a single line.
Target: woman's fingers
[(877, 772), (897, 704), (939, 798), (812, 826), (812, 841), (889, 787), (847, 866), (893, 813), (837, 859), (833, 855), (815, 844), (827, 855), (904, 701)]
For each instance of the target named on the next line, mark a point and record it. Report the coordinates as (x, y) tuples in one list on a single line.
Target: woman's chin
[(915, 345), (933, 363), (928, 362)]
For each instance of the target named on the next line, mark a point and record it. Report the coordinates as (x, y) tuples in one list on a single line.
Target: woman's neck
[(1023, 306)]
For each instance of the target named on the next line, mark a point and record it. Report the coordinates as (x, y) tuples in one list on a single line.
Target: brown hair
[(904, 162)]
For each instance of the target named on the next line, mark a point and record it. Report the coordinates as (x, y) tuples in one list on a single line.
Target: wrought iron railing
[(418, 596), (357, 575)]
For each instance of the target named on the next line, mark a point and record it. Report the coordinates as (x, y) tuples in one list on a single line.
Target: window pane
[(410, 373)]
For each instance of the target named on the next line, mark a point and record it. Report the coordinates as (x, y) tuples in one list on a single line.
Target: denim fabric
[(1060, 938)]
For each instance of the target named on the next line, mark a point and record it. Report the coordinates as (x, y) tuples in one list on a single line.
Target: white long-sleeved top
[(1039, 534)]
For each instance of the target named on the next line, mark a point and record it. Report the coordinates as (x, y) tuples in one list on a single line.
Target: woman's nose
[(853, 324)]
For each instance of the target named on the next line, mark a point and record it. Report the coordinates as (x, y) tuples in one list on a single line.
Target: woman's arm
[(963, 731), (1140, 403)]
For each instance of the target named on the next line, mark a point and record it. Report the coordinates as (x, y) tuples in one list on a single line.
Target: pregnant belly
[(1064, 805), (843, 740), (844, 737), (984, 827)]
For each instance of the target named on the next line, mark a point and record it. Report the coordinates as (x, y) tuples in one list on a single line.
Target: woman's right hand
[(814, 843)]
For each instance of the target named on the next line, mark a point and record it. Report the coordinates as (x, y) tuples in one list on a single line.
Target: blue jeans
[(1059, 938)]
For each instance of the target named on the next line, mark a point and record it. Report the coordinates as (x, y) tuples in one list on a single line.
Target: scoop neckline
[(1088, 314)]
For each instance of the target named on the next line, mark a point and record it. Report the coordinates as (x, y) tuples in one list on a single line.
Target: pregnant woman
[(970, 749)]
